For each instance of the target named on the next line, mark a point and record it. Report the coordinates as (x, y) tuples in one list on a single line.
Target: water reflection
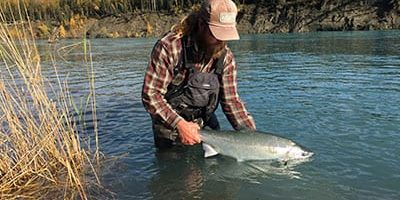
[(321, 43), (179, 175), (184, 173)]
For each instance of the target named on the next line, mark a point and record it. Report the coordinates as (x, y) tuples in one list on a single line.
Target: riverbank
[(45, 147), (252, 18)]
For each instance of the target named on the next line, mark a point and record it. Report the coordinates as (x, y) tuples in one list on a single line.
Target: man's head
[(216, 25), (212, 25), (220, 16)]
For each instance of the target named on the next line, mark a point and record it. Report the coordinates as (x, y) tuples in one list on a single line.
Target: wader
[(194, 97)]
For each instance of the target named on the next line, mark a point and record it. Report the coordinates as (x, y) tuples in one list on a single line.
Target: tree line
[(65, 9), (61, 10)]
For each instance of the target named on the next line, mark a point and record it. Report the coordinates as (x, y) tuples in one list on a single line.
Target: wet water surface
[(337, 94)]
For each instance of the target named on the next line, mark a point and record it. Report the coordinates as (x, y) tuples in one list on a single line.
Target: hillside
[(262, 16)]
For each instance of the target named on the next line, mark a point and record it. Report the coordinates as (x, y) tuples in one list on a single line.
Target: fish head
[(297, 152)]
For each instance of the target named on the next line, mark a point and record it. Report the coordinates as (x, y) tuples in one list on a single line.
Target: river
[(337, 93)]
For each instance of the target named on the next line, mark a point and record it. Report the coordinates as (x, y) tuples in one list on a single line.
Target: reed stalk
[(42, 155)]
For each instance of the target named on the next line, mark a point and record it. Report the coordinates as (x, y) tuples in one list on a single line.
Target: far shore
[(252, 19)]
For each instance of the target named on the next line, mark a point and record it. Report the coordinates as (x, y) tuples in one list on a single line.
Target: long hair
[(188, 24)]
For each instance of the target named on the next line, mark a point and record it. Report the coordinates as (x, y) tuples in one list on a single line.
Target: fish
[(247, 145)]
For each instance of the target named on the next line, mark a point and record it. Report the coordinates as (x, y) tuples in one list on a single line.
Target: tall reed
[(42, 155)]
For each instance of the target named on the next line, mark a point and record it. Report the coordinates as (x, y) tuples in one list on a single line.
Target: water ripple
[(335, 93)]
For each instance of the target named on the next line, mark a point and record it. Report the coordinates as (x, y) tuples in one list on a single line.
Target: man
[(191, 69)]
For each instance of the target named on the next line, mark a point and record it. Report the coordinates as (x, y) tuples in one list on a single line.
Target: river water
[(337, 93)]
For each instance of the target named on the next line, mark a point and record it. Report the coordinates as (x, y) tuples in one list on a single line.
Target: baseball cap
[(221, 18)]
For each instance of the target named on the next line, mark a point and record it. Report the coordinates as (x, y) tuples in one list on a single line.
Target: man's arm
[(157, 78), (232, 105)]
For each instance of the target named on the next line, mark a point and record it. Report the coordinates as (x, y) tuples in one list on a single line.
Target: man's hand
[(188, 132)]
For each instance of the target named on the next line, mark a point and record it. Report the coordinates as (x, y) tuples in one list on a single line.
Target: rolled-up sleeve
[(232, 106)]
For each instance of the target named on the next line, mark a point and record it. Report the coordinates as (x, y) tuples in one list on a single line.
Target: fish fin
[(209, 150)]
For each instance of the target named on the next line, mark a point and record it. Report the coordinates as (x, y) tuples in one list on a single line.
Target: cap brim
[(224, 33)]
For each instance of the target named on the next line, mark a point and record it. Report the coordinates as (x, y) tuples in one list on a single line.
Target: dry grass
[(41, 153), (43, 3)]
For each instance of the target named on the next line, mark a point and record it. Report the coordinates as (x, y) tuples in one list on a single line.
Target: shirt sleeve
[(231, 104), (158, 75)]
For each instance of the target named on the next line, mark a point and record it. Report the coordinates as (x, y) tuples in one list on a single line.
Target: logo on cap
[(227, 17)]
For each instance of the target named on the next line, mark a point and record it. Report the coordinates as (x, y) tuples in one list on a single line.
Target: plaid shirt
[(160, 72)]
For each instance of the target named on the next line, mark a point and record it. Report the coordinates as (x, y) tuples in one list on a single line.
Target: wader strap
[(176, 90), (219, 66)]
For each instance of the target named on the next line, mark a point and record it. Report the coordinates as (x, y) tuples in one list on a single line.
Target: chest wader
[(192, 94)]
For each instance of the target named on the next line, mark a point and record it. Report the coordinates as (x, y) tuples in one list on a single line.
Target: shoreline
[(251, 19)]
